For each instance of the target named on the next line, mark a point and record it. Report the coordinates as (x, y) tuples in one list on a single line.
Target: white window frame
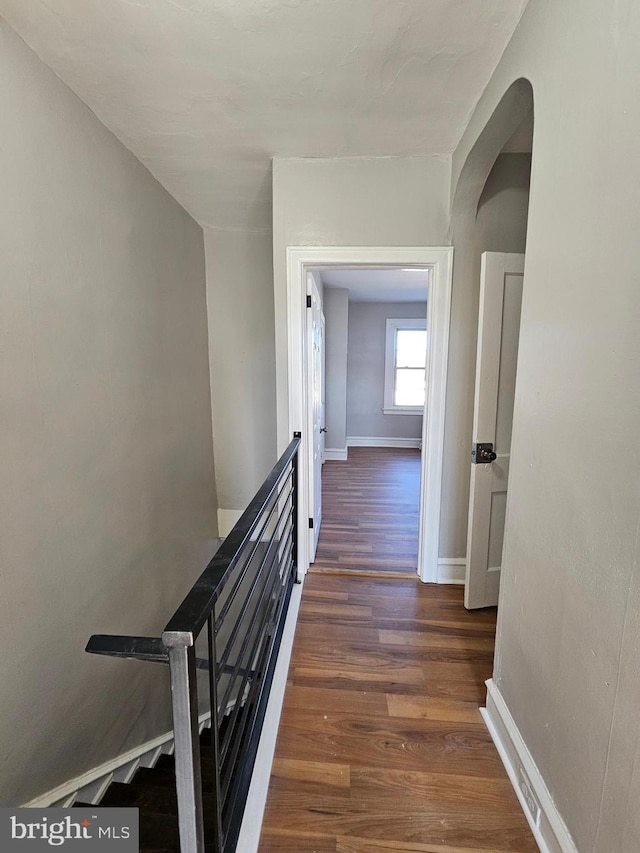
[(393, 326)]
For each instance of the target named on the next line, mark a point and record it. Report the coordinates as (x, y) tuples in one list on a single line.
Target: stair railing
[(221, 645)]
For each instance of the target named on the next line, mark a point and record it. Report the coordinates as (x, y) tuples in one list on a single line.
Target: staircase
[(228, 626), (153, 791)]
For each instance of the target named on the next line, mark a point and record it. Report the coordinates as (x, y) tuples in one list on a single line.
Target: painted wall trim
[(227, 520), (249, 837), (295, 418), (373, 441), (452, 570), (336, 454), (90, 786), (550, 831)]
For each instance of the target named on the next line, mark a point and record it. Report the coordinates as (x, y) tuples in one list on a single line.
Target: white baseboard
[(90, 786), (549, 830), (249, 838), (335, 454), (372, 441), (452, 570), (227, 519)]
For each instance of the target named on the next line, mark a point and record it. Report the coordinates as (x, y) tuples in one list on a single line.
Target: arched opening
[(488, 231)]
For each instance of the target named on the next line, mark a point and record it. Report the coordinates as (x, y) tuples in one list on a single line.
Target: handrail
[(241, 599), (140, 648)]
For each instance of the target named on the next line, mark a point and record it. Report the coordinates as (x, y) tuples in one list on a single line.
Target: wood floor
[(370, 508), (381, 746)]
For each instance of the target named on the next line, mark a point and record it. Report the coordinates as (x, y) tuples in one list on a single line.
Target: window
[(405, 373)]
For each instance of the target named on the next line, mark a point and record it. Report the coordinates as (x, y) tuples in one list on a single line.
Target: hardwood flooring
[(370, 510), (381, 745)]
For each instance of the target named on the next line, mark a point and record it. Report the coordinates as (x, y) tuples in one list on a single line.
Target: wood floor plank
[(433, 708), (307, 629), (345, 701), (341, 611), (327, 773), (503, 833), (437, 626), (433, 640), (326, 594), (286, 841), (366, 845), (410, 790), (352, 677), (394, 743)]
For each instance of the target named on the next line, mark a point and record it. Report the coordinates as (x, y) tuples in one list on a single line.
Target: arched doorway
[(489, 215)]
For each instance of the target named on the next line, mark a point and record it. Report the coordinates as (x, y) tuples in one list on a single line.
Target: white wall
[(107, 505), (336, 314), (569, 626), (365, 374), (241, 350), (387, 201)]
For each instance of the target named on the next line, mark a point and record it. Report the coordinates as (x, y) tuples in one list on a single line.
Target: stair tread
[(161, 778), (159, 832), (167, 763), (158, 800)]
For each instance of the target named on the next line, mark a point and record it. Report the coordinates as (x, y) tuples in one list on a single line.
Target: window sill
[(403, 410)]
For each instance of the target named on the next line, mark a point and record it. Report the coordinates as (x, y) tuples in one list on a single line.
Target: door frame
[(439, 262)]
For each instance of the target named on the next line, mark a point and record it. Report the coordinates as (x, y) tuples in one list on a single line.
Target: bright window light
[(405, 373)]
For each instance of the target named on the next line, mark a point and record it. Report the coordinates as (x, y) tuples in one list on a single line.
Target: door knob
[(482, 452), (323, 429)]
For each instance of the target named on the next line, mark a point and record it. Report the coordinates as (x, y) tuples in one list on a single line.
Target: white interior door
[(498, 336), (316, 362)]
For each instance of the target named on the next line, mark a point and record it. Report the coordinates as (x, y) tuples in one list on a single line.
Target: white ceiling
[(379, 285), (206, 92)]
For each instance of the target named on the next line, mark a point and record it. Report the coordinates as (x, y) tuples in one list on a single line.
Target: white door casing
[(501, 281), (439, 262), (315, 346)]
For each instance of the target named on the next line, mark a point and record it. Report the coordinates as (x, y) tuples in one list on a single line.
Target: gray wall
[(336, 314), (497, 223), (365, 374), (241, 349), (569, 623), (501, 220), (107, 506), (364, 201)]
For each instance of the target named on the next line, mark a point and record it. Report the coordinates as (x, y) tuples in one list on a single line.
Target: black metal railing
[(221, 645)]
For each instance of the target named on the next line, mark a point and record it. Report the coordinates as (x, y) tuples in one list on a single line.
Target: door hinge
[(308, 302), (310, 524)]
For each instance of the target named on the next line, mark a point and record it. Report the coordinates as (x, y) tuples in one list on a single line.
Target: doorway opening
[(436, 265), (374, 382), (489, 223)]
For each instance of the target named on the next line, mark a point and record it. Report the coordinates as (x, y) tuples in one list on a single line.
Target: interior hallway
[(381, 746), (370, 512)]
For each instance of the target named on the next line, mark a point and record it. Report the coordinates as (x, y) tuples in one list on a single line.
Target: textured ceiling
[(379, 285), (206, 92)]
